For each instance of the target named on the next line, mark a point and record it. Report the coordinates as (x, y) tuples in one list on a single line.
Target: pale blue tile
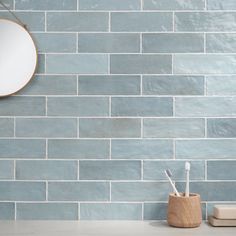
[(8, 3), (40, 65), (47, 211), (6, 169), (6, 127), (142, 149), (110, 170), (78, 191), (173, 128), (137, 106), (110, 211), (205, 149), (141, 21), (110, 128), (7, 210), (78, 106), (221, 5), (46, 170)]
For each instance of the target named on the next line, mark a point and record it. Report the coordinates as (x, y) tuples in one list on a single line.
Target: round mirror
[(18, 57)]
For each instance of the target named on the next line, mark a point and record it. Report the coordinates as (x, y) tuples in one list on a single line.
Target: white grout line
[(109, 22)]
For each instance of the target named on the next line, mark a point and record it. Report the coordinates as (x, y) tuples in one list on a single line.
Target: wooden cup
[(184, 212)]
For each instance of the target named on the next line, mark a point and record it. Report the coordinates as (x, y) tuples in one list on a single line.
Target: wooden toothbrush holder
[(184, 212)]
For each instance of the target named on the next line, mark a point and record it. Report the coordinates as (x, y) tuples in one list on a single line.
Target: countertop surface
[(106, 228)]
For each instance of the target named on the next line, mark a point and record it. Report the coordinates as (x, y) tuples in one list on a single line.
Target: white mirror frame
[(18, 57)]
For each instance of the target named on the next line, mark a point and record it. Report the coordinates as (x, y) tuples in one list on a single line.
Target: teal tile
[(77, 64), (78, 149), (55, 42), (51, 85), (22, 148), (205, 21), (109, 170), (141, 106), (46, 127), (109, 85), (141, 21), (77, 21), (142, 149), (140, 64), (22, 191), (46, 170), (173, 5), (78, 191), (221, 5), (155, 211), (110, 128), (173, 128), (6, 169), (8, 3), (128, 5), (205, 106), (40, 65), (173, 85), (7, 210), (205, 149), (108, 43), (6, 127), (172, 43), (110, 211), (46, 4), (47, 211), (154, 170), (139, 191), (78, 106), (22, 106)]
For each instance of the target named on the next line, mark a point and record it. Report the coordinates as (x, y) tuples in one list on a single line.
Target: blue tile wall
[(123, 90)]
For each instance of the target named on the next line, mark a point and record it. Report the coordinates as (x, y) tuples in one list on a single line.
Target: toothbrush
[(168, 175), (187, 169)]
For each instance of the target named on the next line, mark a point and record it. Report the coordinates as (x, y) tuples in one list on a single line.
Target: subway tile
[(40, 65), (8, 3), (221, 170), (204, 64), (212, 191), (205, 21), (109, 43), (221, 5), (77, 21), (110, 211), (139, 191), (142, 149), (35, 21), (141, 106), (6, 170), (22, 148), (78, 149), (173, 5), (55, 42), (173, 85), (173, 128), (221, 85), (51, 85), (141, 21), (173, 43), (6, 127), (22, 106), (7, 210), (221, 43), (221, 128), (47, 211), (205, 106), (77, 64), (46, 127), (46, 5), (78, 106), (110, 128), (154, 170), (46, 170), (205, 149), (110, 170), (78, 191), (109, 85), (128, 5), (22, 191), (140, 64)]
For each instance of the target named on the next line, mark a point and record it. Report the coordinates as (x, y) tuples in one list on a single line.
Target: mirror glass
[(18, 57)]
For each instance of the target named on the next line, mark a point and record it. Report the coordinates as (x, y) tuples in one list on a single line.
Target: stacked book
[(223, 215)]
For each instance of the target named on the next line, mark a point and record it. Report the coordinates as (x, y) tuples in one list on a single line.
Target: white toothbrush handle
[(187, 184), (173, 186)]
